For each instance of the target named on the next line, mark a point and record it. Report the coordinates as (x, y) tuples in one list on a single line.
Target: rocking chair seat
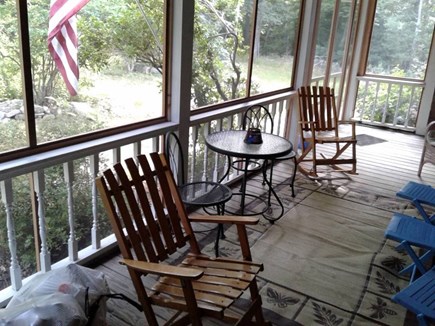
[(216, 282)]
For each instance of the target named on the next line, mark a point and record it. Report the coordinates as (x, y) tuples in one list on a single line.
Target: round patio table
[(231, 143)]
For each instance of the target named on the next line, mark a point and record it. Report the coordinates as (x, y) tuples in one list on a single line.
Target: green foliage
[(94, 52), (276, 19), (13, 132)]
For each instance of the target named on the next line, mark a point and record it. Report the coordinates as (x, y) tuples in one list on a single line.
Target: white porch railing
[(389, 102), (28, 185)]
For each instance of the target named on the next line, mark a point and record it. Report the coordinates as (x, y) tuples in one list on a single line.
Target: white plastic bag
[(58, 297)]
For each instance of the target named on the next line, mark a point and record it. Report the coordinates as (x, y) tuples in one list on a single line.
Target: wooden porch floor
[(386, 161)]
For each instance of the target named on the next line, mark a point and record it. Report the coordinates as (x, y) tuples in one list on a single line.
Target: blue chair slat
[(409, 231), (419, 194), (404, 227), (419, 297)]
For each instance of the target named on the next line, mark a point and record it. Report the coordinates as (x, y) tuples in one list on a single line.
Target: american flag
[(62, 39)]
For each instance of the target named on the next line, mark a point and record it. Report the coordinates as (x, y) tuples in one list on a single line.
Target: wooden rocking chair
[(319, 124), (150, 223)]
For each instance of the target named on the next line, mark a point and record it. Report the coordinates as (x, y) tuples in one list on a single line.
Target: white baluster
[(156, 144), (206, 130), (39, 181), (216, 155), (272, 110), (14, 269), (280, 125), (362, 111), (399, 100), (116, 155), (137, 148), (96, 238), (408, 112), (186, 156), (385, 108), (68, 170), (375, 106)]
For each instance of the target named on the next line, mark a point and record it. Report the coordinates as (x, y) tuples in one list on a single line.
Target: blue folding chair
[(412, 232), (419, 297), (419, 194)]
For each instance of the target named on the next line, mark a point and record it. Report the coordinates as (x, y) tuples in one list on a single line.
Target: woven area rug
[(329, 265)]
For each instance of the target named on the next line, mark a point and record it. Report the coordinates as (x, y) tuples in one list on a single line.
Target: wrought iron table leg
[(294, 176), (272, 191), (220, 229)]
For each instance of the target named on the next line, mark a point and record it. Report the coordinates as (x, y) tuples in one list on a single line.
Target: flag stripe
[(61, 11), (62, 40)]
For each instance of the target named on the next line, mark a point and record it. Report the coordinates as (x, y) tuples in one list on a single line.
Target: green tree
[(137, 32), (217, 75), (137, 35), (275, 19), (401, 37)]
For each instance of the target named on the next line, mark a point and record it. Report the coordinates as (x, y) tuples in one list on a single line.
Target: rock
[(19, 116), (81, 107), (49, 117), (39, 109), (11, 105), (12, 113)]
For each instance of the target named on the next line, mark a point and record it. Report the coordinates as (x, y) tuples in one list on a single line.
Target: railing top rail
[(40, 161), (318, 78), (233, 109), (392, 80)]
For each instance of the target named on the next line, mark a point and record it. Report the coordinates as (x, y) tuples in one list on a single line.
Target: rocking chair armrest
[(163, 269), (343, 122), (239, 221), (352, 123), (303, 122), (311, 125), (225, 219)]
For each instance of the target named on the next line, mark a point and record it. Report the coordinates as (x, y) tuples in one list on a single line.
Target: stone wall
[(14, 110)]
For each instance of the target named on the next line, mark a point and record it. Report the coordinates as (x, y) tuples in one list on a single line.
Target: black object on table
[(231, 143)]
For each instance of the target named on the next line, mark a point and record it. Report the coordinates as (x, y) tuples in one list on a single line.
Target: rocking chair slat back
[(317, 108), (151, 222)]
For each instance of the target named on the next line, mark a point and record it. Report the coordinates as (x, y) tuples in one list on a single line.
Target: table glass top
[(230, 142), (205, 193)]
